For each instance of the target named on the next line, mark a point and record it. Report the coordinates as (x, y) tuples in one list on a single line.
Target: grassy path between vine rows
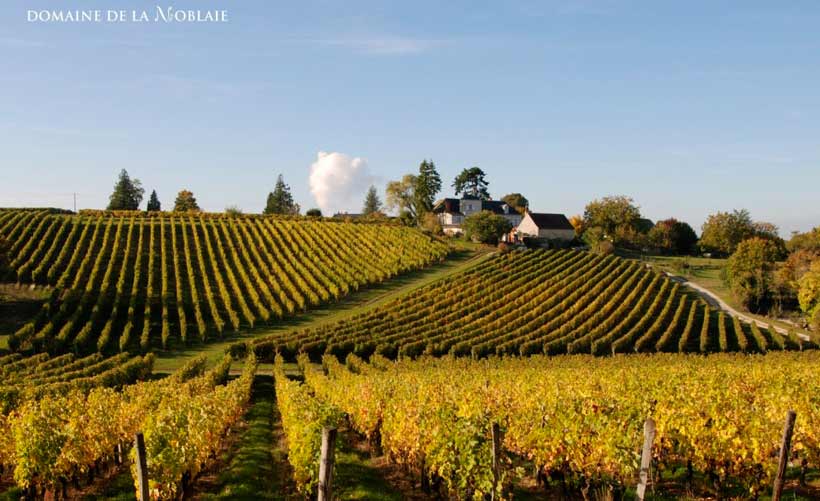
[(256, 467), (357, 302)]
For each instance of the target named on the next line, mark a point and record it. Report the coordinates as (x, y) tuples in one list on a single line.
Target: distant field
[(124, 281), (534, 302)]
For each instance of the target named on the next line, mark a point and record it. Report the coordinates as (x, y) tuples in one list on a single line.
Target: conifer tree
[(280, 201), (471, 183), (127, 193), (153, 202), (428, 184), (372, 203)]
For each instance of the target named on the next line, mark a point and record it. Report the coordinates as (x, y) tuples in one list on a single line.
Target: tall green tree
[(787, 277), (185, 202), (749, 272), (613, 219), (372, 203), (401, 196), (809, 294), (723, 231), (471, 182), (428, 184), (153, 202), (280, 200), (672, 237), (127, 193), (517, 201)]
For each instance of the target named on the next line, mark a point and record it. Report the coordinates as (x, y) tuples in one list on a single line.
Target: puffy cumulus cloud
[(339, 182)]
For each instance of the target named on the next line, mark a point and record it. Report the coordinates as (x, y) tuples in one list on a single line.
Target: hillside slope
[(529, 302), (123, 280)]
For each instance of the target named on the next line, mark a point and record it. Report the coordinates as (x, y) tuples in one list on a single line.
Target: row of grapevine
[(39, 375), (134, 282), (54, 437), (531, 302), (303, 418), (193, 422), (580, 418)]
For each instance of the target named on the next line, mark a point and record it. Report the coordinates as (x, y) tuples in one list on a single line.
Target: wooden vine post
[(142, 467), (646, 457), (326, 464), (785, 447), (497, 440)]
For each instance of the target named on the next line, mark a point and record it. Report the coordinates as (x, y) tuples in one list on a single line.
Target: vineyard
[(122, 281), (535, 302), (571, 421), (68, 419), (457, 382)]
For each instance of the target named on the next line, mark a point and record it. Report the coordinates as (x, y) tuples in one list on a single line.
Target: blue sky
[(688, 107)]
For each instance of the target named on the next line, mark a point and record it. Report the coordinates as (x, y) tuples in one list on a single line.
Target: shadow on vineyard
[(18, 305)]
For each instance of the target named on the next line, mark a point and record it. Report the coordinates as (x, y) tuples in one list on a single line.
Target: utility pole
[(75, 202)]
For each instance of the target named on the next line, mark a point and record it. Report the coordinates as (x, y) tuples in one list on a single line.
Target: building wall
[(468, 207), (447, 219), (527, 227), (557, 234), (515, 219)]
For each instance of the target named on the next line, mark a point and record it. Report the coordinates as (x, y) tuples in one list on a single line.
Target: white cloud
[(339, 182)]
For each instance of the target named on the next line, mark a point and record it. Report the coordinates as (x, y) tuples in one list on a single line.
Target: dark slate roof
[(497, 207), (448, 205), (453, 206), (551, 221)]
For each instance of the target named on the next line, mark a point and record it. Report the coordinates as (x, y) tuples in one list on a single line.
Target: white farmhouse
[(452, 211), (546, 226)]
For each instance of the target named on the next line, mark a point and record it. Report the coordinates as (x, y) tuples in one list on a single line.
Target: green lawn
[(357, 302)]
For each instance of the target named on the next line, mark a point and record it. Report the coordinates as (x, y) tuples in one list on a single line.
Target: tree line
[(128, 195)]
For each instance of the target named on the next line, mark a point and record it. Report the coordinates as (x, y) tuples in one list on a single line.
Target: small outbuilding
[(545, 226)]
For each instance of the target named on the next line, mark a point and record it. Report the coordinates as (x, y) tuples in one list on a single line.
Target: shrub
[(749, 272), (486, 227)]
